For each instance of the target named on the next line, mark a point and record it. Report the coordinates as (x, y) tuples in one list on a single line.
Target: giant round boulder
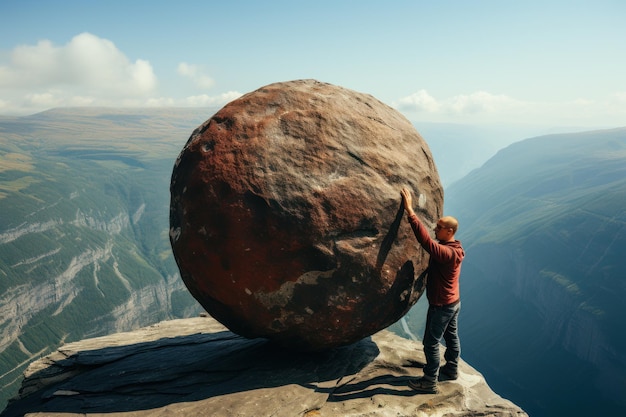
[(286, 219)]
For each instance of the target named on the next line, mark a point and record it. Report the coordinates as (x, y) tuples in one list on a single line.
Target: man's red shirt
[(444, 265)]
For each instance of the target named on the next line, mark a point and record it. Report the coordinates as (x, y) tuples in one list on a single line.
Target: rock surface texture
[(286, 219), (196, 367)]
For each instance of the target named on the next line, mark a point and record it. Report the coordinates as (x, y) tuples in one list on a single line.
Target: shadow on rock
[(379, 385), (151, 375)]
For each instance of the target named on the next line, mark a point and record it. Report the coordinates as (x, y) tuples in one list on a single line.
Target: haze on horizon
[(550, 63)]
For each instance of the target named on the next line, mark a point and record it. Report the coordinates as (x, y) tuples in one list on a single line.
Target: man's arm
[(441, 253)]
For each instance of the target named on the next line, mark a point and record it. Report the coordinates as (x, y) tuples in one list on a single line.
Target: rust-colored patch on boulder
[(286, 219)]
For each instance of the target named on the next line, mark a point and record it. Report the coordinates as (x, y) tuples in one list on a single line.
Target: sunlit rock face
[(286, 219)]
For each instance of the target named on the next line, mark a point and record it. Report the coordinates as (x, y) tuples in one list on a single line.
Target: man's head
[(446, 228)]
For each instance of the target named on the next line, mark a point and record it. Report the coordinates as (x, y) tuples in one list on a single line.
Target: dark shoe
[(447, 374), (423, 385)]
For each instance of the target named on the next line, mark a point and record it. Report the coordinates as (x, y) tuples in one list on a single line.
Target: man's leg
[(453, 345), (436, 323)]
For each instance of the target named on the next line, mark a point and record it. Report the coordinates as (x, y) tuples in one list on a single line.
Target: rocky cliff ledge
[(196, 367)]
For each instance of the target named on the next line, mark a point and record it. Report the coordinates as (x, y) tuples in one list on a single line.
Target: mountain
[(84, 249), (458, 148), (543, 223)]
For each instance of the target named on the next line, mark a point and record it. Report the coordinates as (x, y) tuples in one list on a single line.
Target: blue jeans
[(441, 322)]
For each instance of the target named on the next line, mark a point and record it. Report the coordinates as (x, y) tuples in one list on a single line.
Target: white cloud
[(619, 97), (88, 70), (420, 102), (87, 63), (202, 100), (484, 107), (480, 102), (205, 100), (196, 75)]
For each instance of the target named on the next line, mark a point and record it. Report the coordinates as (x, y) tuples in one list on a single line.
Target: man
[(442, 291)]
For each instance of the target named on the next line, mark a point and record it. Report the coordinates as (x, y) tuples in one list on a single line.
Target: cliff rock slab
[(286, 218), (196, 367)]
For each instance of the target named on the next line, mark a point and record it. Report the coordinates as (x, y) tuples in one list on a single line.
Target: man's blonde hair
[(450, 222)]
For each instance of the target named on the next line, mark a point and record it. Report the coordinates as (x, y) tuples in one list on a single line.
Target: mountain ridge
[(543, 224), (83, 236)]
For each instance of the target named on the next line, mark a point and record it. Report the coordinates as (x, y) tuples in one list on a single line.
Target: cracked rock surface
[(286, 219), (196, 367)]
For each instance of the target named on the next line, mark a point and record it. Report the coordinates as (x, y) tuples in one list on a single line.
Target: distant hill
[(544, 282), (84, 249), (459, 148)]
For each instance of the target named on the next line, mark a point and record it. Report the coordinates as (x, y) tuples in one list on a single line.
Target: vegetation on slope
[(543, 223), (84, 249)]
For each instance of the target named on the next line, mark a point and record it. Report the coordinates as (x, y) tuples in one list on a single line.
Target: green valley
[(84, 249)]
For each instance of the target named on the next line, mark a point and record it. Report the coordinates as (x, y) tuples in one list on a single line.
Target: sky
[(549, 63)]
